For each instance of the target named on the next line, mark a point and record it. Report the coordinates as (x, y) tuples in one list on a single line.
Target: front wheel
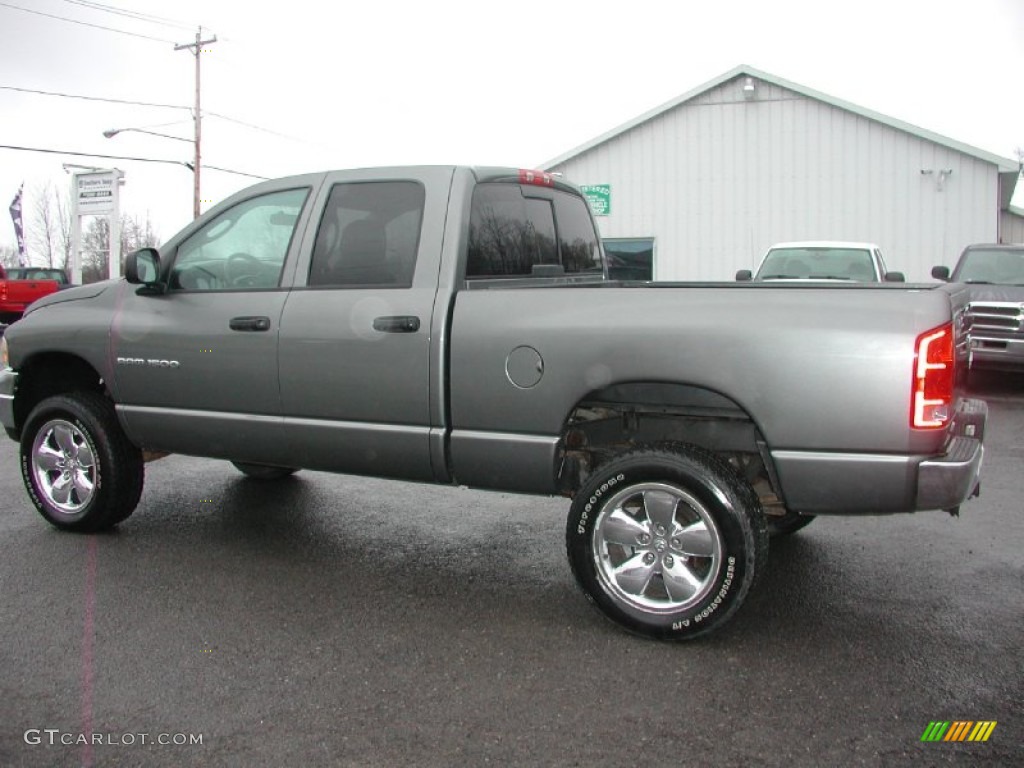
[(666, 540), (79, 468)]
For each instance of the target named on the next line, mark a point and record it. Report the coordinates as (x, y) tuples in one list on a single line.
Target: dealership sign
[(94, 193), (600, 198)]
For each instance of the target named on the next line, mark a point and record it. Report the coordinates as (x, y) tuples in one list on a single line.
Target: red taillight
[(932, 405), (537, 178)]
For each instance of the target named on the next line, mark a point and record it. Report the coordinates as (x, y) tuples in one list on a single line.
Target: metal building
[(704, 184)]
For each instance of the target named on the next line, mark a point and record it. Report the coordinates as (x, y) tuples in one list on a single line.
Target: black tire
[(264, 471), (76, 438), (712, 553), (783, 525)]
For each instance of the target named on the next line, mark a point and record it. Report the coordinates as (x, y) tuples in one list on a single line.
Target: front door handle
[(249, 324), (397, 324)]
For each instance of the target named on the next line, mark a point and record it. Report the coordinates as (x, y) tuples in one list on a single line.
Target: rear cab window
[(530, 231)]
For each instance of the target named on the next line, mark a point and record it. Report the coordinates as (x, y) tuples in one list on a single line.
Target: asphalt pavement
[(343, 621)]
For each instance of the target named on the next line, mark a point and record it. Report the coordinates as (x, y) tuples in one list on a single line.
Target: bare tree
[(49, 233), (135, 234), (8, 256)]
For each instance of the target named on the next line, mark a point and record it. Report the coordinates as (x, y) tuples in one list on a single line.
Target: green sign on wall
[(600, 198)]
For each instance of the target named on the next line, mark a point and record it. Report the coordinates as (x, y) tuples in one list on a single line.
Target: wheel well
[(51, 374), (609, 421)]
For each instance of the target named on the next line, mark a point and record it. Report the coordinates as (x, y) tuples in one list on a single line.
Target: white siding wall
[(1012, 230), (718, 179)]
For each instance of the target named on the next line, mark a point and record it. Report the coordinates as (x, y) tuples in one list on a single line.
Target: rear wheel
[(264, 471), (79, 468), (666, 540)]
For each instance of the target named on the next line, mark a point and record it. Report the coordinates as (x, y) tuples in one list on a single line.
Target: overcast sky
[(311, 85)]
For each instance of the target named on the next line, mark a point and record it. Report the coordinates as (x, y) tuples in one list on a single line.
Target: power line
[(146, 17), (161, 106), (237, 173), (126, 157), (206, 113), (87, 24), (91, 154), (91, 98)]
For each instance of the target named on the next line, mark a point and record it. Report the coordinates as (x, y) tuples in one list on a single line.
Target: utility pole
[(196, 48)]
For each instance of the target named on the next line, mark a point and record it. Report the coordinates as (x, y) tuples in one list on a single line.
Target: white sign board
[(95, 193)]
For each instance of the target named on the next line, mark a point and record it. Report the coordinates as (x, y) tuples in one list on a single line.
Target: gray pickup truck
[(994, 275), (457, 325)]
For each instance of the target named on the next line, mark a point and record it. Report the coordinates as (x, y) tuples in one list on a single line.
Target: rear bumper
[(859, 483), (949, 480)]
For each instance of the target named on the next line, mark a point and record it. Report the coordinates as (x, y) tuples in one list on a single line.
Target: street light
[(111, 133)]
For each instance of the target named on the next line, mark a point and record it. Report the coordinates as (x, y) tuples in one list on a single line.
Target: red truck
[(20, 286)]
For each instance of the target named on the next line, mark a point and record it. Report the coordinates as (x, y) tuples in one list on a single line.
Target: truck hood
[(986, 292), (75, 293)]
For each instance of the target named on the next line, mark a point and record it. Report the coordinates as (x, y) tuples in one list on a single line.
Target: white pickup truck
[(823, 260)]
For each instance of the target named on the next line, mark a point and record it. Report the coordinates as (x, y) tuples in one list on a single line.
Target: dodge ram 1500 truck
[(994, 275), (457, 325)]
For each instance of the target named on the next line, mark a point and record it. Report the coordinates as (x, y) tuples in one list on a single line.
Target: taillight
[(932, 405), (537, 178)]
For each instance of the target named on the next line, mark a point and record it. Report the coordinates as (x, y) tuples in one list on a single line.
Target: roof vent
[(749, 89)]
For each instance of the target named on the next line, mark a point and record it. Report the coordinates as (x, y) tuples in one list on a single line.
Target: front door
[(196, 366)]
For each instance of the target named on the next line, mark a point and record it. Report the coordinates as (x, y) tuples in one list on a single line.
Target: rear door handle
[(249, 324), (397, 324)]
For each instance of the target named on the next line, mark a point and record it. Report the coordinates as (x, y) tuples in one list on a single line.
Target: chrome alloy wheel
[(657, 548), (64, 466)]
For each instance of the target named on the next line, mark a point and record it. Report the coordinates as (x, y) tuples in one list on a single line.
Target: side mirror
[(142, 267), (744, 276), (941, 273), (895, 277)]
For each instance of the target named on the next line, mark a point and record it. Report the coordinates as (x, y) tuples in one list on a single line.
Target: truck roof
[(825, 244)]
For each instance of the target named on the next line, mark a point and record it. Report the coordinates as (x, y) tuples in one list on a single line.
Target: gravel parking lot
[(329, 620)]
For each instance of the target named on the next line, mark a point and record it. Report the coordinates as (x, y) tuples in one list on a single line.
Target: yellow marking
[(982, 730)]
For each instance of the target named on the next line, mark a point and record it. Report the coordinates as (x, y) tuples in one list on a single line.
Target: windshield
[(999, 266), (817, 263)]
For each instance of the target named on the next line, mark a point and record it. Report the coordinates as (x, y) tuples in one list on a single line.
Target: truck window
[(510, 233), (243, 248), (1003, 266), (368, 235)]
